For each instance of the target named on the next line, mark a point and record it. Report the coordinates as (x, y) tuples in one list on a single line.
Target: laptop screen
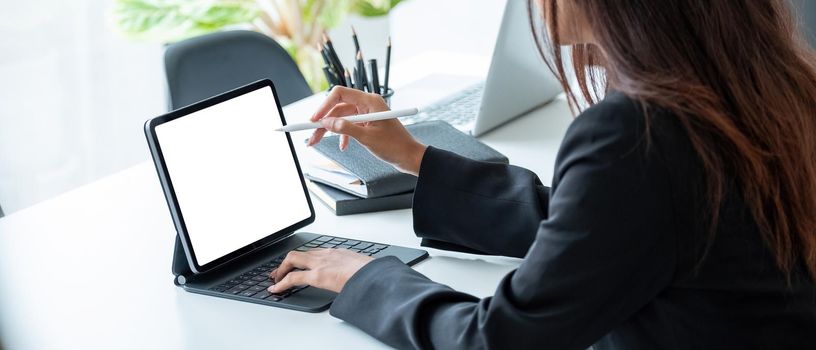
[(234, 177)]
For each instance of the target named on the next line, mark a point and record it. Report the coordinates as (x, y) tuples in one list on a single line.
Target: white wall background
[(74, 95)]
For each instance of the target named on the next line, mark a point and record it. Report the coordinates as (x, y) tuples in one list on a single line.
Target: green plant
[(173, 20), (295, 24), (374, 8)]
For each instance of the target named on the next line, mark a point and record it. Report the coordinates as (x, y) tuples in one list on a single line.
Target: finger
[(343, 127), (297, 278), (342, 110), (340, 94), (339, 110), (293, 260), (344, 140), (316, 137)]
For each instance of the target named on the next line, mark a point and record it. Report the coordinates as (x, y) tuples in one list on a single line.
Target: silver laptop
[(518, 81)]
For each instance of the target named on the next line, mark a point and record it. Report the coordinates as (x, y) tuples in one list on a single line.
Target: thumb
[(342, 126)]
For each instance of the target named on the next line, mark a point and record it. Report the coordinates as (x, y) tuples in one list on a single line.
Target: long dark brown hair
[(740, 78)]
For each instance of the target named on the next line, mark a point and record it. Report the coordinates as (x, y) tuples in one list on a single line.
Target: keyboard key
[(265, 284), (256, 288), (250, 282), (248, 293), (261, 295), (237, 289), (275, 297), (363, 245), (311, 245), (327, 245), (379, 246), (260, 278), (323, 239), (250, 273)]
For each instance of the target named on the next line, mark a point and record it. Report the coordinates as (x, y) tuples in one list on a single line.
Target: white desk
[(91, 268)]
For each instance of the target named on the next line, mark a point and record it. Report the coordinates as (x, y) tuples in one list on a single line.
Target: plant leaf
[(173, 20), (333, 12), (373, 8)]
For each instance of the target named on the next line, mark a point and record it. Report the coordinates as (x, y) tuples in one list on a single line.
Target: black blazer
[(612, 253)]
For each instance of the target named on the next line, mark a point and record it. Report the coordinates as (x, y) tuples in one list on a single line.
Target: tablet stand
[(181, 268)]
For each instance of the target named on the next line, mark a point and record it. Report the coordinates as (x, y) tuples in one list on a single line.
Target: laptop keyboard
[(254, 282), (459, 110)]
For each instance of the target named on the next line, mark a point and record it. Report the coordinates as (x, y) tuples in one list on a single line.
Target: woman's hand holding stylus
[(385, 139)]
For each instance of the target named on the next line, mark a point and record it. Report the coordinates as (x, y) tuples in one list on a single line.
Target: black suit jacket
[(612, 253)]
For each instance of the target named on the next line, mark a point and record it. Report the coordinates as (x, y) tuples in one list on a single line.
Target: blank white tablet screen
[(234, 177)]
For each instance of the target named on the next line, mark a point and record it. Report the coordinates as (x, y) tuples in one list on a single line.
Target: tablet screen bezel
[(169, 192)]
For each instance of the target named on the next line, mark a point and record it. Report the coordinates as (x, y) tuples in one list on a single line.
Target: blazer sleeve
[(606, 249), (477, 207)]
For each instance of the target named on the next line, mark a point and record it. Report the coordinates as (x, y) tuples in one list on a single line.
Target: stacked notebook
[(354, 181)]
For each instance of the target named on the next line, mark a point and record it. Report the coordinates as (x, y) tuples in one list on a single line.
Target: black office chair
[(1, 212), (208, 65)]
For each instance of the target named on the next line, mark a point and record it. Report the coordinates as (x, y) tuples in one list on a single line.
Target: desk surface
[(91, 268)]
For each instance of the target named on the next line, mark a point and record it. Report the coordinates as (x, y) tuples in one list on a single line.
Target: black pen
[(375, 76), (387, 65)]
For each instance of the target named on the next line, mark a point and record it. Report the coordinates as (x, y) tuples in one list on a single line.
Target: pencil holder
[(386, 94)]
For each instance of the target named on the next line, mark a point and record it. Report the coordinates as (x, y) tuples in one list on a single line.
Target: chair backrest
[(1, 212), (208, 65)]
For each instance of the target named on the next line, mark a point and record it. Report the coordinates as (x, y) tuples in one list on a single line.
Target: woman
[(682, 212)]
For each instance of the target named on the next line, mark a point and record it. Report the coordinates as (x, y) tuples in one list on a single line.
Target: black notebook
[(364, 175), (344, 203)]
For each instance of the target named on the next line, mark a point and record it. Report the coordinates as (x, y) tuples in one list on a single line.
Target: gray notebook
[(381, 179)]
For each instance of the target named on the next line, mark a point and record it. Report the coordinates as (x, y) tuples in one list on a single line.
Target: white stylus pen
[(360, 118)]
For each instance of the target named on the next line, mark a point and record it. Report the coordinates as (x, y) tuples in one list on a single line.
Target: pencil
[(338, 66), (329, 76), (324, 55), (361, 118), (375, 76), (387, 64), (354, 37), (357, 79), (361, 68), (348, 78)]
